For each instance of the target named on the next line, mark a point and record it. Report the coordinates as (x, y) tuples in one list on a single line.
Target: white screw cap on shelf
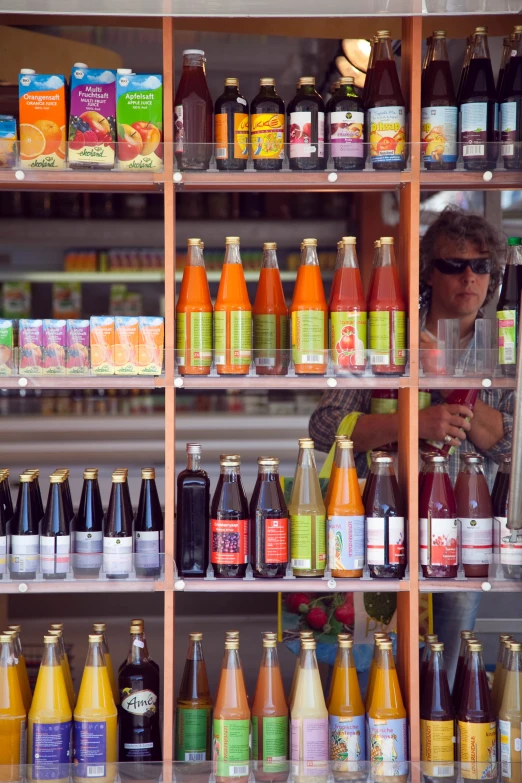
[(19, 175), (332, 584), (332, 176), (487, 176), (179, 585), (331, 382), (23, 588), (178, 383), (178, 176), (22, 381), (486, 586), (487, 383)]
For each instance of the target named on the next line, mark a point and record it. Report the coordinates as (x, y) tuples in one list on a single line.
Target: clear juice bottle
[(345, 517), (270, 315), (307, 516), (347, 308), (439, 109), (194, 315), (64, 662), (303, 636), (101, 629), (231, 719), (194, 706), (387, 314), (477, 722), (438, 521), (346, 716), (510, 719), (21, 666), (437, 721), (232, 316), (13, 718), (229, 521), (475, 513), (478, 107), (309, 720), (385, 524), (309, 313), (193, 109), (386, 110), (460, 672), (269, 533)]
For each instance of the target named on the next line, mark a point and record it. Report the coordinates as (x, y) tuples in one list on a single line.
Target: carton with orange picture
[(150, 347), (78, 340), (30, 338), (42, 120), (92, 123), (102, 344), (126, 345), (139, 114), (53, 346), (6, 347)]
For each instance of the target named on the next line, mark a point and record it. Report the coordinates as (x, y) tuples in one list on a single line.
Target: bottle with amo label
[(229, 521), (87, 533), (267, 128), (307, 516), (345, 517), (231, 128), (475, 513)]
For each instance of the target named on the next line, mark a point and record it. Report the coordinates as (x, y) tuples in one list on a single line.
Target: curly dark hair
[(462, 227)]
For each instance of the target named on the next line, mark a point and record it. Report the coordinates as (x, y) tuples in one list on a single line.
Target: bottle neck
[(231, 660), (6, 654), (267, 91), (194, 256), (346, 460), (515, 661), (306, 89), (439, 50), (480, 47), (309, 256), (268, 473), (349, 257), (232, 254), (382, 469), (231, 91), (193, 461), (270, 259), (306, 458), (230, 473), (195, 651), (95, 656), (308, 660), (138, 652), (436, 469), (270, 659), (386, 255), (384, 50), (194, 61), (51, 655)]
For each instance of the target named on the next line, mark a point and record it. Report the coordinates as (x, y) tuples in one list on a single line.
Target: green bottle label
[(507, 336), (267, 352), (309, 341), (348, 339), (275, 744), (197, 352), (301, 541), (231, 747), (388, 338), (192, 734), (240, 352)]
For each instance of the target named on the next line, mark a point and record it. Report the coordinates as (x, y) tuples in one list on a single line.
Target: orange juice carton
[(151, 345), (92, 122), (102, 344), (78, 341), (67, 300), (16, 300), (139, 114), (30, 339), (42, 120), (7, 141), (6, 347), (126, 345), (53, 346)]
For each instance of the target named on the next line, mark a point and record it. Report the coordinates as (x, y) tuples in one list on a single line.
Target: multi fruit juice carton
[(102, 344), (92, 122), (53, 346), (7, 141), (126, 345), (6, 347), (150, 346), (78, 342), (139, 114), (42, 120), (30, 339)]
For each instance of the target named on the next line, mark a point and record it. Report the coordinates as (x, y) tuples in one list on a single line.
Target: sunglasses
[(456, 266)]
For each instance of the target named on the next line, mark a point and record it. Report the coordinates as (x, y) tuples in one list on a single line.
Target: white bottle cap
[(27, 70), (193, 51), (80, 65), (124, 71)]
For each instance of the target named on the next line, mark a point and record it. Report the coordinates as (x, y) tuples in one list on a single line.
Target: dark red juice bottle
[(193, 114), (345, 133), (460, 672), (439, 109), (305, 123), (475, 513), (231, 128), (478, 108), (510, 108), (476, 722), (386, 110), (437, 721), (507, 46), (229, 521), (269, 532), (429, 639), (192, 516), (438, 522), (385, 526)]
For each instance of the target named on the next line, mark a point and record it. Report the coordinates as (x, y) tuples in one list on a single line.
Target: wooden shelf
[(466, 382), (290, 181), (469, 585), (291, 585), (470, 180), (92, 181), (56, 586), (288, 382), (82, 382)]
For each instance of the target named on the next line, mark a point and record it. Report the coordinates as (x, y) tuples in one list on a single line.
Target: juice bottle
[(378, 637), (508, 309), (387, 314), (337, 456), (269, 532), (64, 663), (307, 516), (438, 523), (429, 639), (232, 316), (231, 752), (194, 316), (309, 313), (303, 635), (25, 541), (117, 531), (95, 719), (386, 110), (35, 492), (510, 718), (55, 536), (347, 308), (193, 114), (385, 525), (327, 110), (476, 722), (65, 492), (345, 131), (270, 718), (467, 397), (346, 717), (426, 59), (6, 500), (270, 314), (508, 546), (460, 672), (507, 46), (478, 107), (42, 101), (138, 622), (13, 718), (192, 516), (510, 100), (231, 128), (267, 127), (50, 720), (465, 66), (345, 517), (475, 512), (229, 521), (499, 683), (305, 128), (194, 706), (88, 529), (369, 75), (309, 719), (439, 109), (149, 538), (101, 630), (437, 721), (3, 535), (21, 667)]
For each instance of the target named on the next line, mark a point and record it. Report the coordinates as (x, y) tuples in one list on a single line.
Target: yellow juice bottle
[(510, 718), (95, 719), (309, 720), (64, 663), (346, 720), (50, 720), (21, 668), (101, 628), (12, 715)]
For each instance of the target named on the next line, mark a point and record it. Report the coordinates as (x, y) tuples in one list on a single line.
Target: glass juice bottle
[(499, 684), (64, 663), (378, 637), (345, 517), (305, 128), (192, 516), (307, 516), (194, 315), (232, 316), (149, 538), (100, 629), (387, 314), (437, 721), (439, 109), (508, 309), (478, 107), (267, 127), (229, 521), (21, 666), (35, 491), (347, 308), (309, 314), (336, 459), (309, 719), (346, 717), (270, 315), (507, 46), (476, 722), (269, 534), (510, 100), (510, 718), (25, 540), (193, 114), (231, 720), (194, 706), (438, 523), (345, 133), (508, 543), (460, 672), (386, 110), (475, 513), (87, 533), (303, 636), (13, 719), (429, 638), (385, 526), (55, 537), (117, 533), (5, 495), (231, 128), (467, 397)]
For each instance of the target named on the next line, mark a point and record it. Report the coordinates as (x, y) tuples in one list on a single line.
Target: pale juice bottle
[(12, 714), (307, 516), (346, 720), (309, 724), (101, 628)]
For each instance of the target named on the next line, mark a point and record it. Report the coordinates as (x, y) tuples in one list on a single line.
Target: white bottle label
[(149, 546), (24, 554), (474, 129), (375, 540), (117, 555), (88, 548), (139, 702), (300, 134), (347, 134), (179, 134), (55, 554), (346, 543), (510, 542), (477, 540), (444, 540), (439, 134), (508, 128)]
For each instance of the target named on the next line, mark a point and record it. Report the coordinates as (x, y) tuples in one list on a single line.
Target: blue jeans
[(453, 613)]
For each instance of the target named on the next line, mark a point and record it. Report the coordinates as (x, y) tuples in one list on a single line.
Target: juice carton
[(150, 346), (30, 340), (102, 344), (78, 341), (42, 121), (7, 141), (53, 346), (92, 123), (6, 347), (16, 300), (140, 121), (126, 345), (67, 300)]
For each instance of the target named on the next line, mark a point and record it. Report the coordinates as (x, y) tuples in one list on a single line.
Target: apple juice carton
[(102, 344), (53, 346), (126, 330), (92, 122), (150, 346), (78, 342), (6, 347), (30, 339), (139, 115), (42, 120), (7, 141)]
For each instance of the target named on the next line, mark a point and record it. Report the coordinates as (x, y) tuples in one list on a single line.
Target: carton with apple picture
[(139, 115), (92, 121)]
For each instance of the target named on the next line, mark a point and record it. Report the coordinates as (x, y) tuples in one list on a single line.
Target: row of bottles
[(56, 539), (270, 332)]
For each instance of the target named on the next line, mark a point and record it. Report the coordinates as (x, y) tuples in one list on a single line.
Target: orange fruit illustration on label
[(32, 141), (52, 135), (63, 143), (121, 354)]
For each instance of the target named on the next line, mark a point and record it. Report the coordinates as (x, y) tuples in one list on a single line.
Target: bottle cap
[(306, 443), (231, 81), (306, 635), (385, 645), (10, 634), (472, 458), (347, 80), (50, 640), (437, 646), (268, 461), (61, 471), (232, 241), (380, 635), (90, 473), (349, 240), (383, 459), (26, 478), (309, 243), (193, 242), (229, 460), (383, 34), (505, 637), (267, 82), (138, 621), (516, 646), (439, 33), (197, 636), (193, 51), (136, 629), (437, 459), (27, 71), (481, 30), (271, 634), (345, 444), (269, 640), (475, 646), (56, 626), (125, 471), (308, 644), (148, 473), (345, 642), (56, 478), (193, 448), (34, 471), (99, 627), (232, 644), (467, 634), (306, 80), (514, 241), (95, 637), (55, 632), (15, 628), (270, 246), (118, 478), (429, 638), (376, 244), (5, 638), (387, 240), (232, 635), (339, 438)]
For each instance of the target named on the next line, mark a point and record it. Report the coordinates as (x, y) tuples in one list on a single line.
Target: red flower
[(316, 618), (295, 601)]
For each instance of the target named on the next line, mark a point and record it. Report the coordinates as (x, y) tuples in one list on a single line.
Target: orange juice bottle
[(270, 717), (345, 516), (12, 714), (101, 628), (309, 313), (270, 318), (25, 687), (338, 438), (42, 120), (346, 717), (64, 663), (194, 315), (232, 316), (231, 719)]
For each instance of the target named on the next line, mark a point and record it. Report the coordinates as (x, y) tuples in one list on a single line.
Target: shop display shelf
[(470, 585), (289, 181), (92, 181), (291, 585), (82, 382), (497, 179)]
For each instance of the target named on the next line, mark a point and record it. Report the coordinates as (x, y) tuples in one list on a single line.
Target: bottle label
[(348, 338), (149, 545), (347, 134), (301, 541), (510, 542), (240, 338), (477, 540), (388, 337), (375, 540), (380, 405), (507, 336), (300, 132), (90, 748), (439, 134), (438, 747), (388, 134), (23, 742), (192, 732), (194, 344), (310, 741), (388, 749), (231, 747), (3, 555), (51, 747), (55, 554), (274, 752), (346, 542), (276, 540), (444, 537), (229, 541), (508, 128), (117, 555), (478, 750), (179, 133), (510, 745), (24, 554), (308, 337), (240, 136), (266, 346), (88, 548), (474, 129), (347, 742), (139, 702), (320, 134), (267, 133)]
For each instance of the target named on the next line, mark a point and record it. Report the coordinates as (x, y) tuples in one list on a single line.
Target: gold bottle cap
[(385, 645), (125, 471), (439, 33), (475, 646), (308, 644), (5, 638), (33, 471), (380, 635), (15, 628), (269, 640), (309, 243), (431, 637), (50, 640), (306, 80), (229, 460), (268, 461), (349, 240), (339, 438), (119, 478), (383, 34), (95, 637), (5, 472), (387, 240), (232, 644), (56, 626), (90, 473), (26, 478), (517, 28), (270, 246), (303, 635), (345, 444), (346, 643), (467, 634), (481, 30), (63, 471), (55, 632), (99, 627), (232, 241), (270, 634), (306, 443), (56, 478), (136, 629), (138, 621), (10, 634), (267, 82), (232, 635), (347, 80), (193, 242), (516, 646), (503, 637), (148, 473), (437, 646), (197, 636)]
